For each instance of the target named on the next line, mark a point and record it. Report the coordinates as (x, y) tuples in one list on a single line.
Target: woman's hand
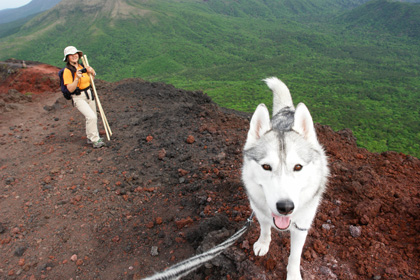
[(90, 70), (78, 75)]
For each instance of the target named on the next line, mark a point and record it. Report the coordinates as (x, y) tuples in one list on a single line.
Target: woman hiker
[(83, 99)]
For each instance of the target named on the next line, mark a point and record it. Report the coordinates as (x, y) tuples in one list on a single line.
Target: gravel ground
[(167, 186)]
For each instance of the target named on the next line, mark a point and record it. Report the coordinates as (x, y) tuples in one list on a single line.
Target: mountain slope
[(400, 19), (10, 28), (366, 81), (33, 7), (278, 9)]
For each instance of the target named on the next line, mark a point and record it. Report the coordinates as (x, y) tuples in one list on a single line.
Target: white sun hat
[(71, 50)]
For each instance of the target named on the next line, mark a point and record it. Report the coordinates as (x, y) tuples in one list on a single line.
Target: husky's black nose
[(285, 207)]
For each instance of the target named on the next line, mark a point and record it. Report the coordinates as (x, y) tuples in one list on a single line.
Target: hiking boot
[(98, 144), (91, 142)]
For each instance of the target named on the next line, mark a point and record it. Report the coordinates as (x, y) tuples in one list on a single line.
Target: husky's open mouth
[(281, 222)]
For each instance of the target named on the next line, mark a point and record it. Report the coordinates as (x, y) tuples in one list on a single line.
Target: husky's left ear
[(303, 123)]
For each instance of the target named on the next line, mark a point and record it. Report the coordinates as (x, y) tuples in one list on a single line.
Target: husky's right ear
[(260, 124)]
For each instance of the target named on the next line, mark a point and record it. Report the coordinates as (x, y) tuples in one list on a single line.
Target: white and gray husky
[(285, 172)]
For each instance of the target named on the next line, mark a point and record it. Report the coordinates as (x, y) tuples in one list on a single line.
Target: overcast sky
[(6, 4)]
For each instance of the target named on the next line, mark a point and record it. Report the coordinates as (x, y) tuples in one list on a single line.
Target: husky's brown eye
[(266, 167), (297, 167)]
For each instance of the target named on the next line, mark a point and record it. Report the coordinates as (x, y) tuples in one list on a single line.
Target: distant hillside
[(280, 9), (352, 74), (33, 7), (10, 28), (397, 18)]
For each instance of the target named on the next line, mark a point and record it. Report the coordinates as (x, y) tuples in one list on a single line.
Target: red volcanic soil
[(35, 78), (168, 184)]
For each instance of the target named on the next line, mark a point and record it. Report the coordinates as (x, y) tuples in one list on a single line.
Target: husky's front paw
[(261, 247)]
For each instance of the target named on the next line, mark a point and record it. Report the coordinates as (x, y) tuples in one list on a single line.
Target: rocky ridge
[(167, 186)]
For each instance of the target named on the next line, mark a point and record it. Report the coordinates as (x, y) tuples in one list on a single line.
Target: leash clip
[(250, 219)]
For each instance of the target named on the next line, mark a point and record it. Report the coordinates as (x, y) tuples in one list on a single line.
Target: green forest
[(354, 64)]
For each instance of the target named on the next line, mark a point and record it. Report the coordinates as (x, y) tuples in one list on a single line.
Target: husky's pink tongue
[(281, 222)]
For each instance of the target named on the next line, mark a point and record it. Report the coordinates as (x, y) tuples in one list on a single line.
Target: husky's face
[(279, 164)]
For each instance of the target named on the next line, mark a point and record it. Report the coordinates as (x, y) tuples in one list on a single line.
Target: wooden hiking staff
[(101, 110)]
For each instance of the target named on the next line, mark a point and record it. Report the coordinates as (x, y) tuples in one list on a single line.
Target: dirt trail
[(168, 185)]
